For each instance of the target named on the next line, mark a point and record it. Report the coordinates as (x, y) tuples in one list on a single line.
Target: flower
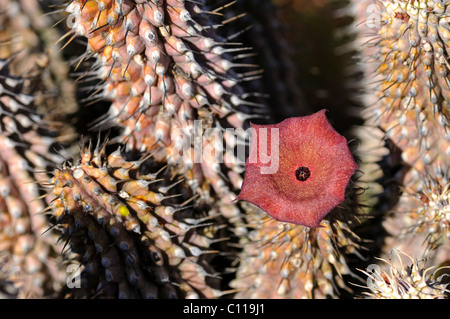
[(310, 167)]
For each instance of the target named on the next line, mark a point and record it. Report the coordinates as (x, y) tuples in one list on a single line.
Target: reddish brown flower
[(309, 168)]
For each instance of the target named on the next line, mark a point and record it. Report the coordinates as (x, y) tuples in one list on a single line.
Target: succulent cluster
[(124, 139), (135, 232)]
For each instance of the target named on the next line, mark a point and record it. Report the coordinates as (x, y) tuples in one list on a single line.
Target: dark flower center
[(302, 173)]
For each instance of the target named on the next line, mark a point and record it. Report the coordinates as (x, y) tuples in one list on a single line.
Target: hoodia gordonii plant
[(171, 77), (413, 108), (135, 230), (408, 99), (34, 126), (126, 236), (29, 251), (138, 215)]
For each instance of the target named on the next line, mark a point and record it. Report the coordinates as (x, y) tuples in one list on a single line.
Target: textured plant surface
[(124, 138), (410, 281)]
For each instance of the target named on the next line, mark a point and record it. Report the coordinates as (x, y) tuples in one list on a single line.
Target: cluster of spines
[(413, 108), (409, 103), (427, 207), (134, 230), (284, 260), (413, 281), (163, 68), (26, 141)]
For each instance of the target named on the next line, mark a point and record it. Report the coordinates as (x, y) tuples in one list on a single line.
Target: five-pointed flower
[(298, 169)]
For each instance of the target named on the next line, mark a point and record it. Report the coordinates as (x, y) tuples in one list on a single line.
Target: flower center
[(302, 173)]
